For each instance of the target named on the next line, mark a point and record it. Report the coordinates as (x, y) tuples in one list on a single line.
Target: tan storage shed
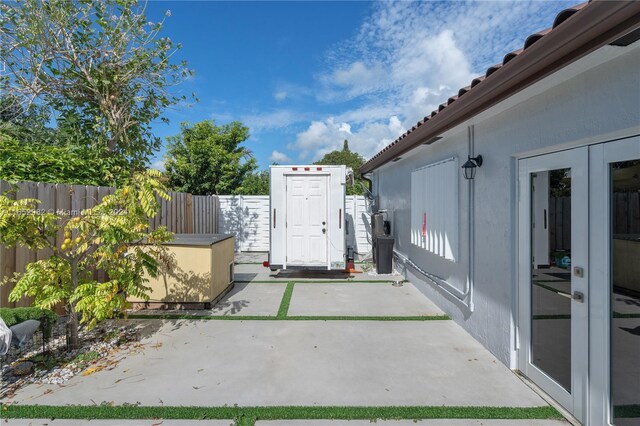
[(199, 274)]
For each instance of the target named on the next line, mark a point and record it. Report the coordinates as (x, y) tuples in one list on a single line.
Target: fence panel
[(204, 213), (247, 217), (178, 215)]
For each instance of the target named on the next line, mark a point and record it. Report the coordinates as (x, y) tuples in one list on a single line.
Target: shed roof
[(576, 31)]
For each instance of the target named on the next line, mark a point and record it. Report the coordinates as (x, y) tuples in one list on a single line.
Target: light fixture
[(469, 168), (396, 159)]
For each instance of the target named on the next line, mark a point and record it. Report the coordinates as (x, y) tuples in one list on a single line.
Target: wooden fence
[(184, 213), (625, 216)]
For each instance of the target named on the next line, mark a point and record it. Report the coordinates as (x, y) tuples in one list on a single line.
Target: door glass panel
[(551, 276), (625, 292)]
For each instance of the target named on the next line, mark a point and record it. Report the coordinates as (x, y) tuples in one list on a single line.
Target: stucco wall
[(594, 103)]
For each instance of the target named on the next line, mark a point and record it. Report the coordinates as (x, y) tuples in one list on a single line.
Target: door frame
[(577, 159)]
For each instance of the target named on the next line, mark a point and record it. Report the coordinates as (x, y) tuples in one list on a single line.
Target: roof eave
[(596, 25)]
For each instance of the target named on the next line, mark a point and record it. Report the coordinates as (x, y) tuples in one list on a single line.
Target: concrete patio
[(389, 351)]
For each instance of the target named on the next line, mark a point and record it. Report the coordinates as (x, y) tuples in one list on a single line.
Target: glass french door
[(579, 279), (614, 242), (553, 274)]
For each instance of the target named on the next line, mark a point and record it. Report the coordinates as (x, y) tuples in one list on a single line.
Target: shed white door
[(307, 220)]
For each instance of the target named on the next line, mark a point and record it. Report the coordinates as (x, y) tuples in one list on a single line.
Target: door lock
[(578, 296), (324, 223), (324, 231)]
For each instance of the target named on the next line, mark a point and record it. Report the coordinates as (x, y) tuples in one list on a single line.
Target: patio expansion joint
[(286, 318)]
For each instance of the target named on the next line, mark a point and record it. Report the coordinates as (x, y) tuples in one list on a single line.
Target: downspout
[(439, 281), (472, 223), (364, 177)]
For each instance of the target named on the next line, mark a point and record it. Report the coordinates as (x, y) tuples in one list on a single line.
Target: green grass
[(287, 318), (346, 281), (286, 300), (318, 281), (247, 415)]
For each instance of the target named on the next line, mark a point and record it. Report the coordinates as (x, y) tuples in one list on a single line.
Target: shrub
[(13, 316)]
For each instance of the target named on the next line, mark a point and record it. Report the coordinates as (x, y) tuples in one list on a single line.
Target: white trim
[(591, 140), (576, 159), (601, 155)]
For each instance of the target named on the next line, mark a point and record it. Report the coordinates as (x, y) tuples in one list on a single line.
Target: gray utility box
[(384, 254)]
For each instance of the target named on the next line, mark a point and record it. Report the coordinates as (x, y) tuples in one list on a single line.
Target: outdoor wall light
[(469, 168)]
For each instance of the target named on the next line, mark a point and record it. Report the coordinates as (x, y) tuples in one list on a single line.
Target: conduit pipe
[(442, 283)]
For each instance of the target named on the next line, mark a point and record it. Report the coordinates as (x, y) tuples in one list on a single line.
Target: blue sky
[(304, 76)]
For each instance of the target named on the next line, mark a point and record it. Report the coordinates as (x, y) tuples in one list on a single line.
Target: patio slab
[(266, 363), (360, 299), (251, 299), (250, 272)]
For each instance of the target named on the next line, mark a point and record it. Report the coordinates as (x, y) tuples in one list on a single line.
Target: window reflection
[(625, 292), (551, 277)]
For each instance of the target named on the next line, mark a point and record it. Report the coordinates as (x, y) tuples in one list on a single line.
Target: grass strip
[(287, 318), (248, 414), (346, 281), (286, 300), (626, 411), (282, 280)]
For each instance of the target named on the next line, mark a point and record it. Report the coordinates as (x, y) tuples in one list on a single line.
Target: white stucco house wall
[(568, 103)]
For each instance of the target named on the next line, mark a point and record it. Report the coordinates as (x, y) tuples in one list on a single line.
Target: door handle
[(324, 231), (578, 296)]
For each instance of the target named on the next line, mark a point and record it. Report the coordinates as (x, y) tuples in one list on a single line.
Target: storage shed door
[(307, 228)]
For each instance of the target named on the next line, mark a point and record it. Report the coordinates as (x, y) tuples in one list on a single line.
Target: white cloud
[(271, 120), (279, 157), (406, 59), (280, 95), (325, 136), (158, 165)]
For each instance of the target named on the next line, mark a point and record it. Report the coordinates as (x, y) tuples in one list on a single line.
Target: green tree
[(27, 124), (105, 237), (350, 159), (206, 159), (72, 164), (100, 66), (255, 184)]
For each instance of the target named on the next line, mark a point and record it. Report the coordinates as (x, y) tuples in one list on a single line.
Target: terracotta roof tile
[(567, 13), (492, 72), (509, 56)]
